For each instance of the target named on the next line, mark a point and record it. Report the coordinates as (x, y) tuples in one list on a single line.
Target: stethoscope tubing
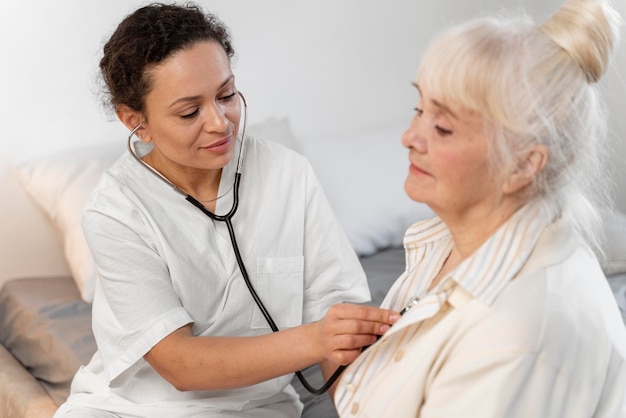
[(227, 219)]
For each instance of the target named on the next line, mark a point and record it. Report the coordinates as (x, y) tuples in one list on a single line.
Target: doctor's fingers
[(347, 328), (353, 320), (348, 348), (350, 311)]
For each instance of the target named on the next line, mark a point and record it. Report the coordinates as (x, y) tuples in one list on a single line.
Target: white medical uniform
[(162, 264)]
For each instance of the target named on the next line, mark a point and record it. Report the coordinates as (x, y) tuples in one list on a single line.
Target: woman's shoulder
[(560, 303), (123, 186), (118, 175)]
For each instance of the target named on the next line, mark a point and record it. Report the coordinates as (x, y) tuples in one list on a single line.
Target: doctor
[(177, 330)]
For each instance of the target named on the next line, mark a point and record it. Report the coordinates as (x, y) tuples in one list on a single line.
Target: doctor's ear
[(131, 119), (526, 170)]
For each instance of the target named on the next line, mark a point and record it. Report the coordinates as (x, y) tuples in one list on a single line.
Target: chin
[(413, 190)]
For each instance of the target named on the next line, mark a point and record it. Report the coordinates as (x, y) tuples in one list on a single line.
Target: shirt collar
[(484, 274)]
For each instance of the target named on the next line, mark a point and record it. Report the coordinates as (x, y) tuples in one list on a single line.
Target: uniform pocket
[(280, 285)]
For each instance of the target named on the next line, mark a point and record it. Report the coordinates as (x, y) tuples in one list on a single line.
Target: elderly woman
[(506, 312)]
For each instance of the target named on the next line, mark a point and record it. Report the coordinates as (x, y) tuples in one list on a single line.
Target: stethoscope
[(227, 219)]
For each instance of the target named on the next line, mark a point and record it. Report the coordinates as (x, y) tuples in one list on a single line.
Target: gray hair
[(536, 84)]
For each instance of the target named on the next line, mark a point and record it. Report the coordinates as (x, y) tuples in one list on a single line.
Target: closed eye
[(228, 98), (191, 115), (443, 132)]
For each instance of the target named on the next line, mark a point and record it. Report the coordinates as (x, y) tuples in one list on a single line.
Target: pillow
[(61, 183), (363, 176), (274, 129)]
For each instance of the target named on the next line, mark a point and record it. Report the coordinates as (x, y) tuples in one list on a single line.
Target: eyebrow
[(193, 98), (438, 103)]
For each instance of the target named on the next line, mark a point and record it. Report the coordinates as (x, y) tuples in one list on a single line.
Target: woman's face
[(449, 167), (193, 109)]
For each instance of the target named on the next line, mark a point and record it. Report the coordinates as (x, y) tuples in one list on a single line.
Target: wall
[(330, 66)]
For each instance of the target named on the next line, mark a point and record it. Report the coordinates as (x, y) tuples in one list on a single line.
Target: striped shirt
[(483, 276)]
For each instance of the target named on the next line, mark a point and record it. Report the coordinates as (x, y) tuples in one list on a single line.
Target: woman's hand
[(190, 362), (347, 328)]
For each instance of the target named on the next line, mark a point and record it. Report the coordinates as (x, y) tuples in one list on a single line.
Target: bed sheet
[(21, 395), (46, 326), (382, 270)]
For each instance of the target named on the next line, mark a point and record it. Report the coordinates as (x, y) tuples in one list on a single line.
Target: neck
[(471, 229), (202, 184)]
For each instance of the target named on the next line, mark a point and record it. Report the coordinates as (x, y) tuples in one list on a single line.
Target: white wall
[(330, 66)]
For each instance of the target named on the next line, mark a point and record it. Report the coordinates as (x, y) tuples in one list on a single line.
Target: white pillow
[(61, 183), (363, 176), (274, 129)]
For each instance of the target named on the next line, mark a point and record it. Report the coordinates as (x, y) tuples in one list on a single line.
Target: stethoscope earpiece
[(134, 131)]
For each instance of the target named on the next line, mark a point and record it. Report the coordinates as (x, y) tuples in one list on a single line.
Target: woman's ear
[(131, 119), (527, 169)]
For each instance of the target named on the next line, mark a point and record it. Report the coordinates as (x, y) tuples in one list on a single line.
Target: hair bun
[(587, 30)]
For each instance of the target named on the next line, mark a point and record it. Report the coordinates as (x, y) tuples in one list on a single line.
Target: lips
[(416, 170), (219, 146)]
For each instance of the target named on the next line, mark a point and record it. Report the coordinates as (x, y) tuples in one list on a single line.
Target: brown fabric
[(21, 395), (47, 327)]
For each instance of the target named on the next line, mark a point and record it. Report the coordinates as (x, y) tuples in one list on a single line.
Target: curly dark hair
[(145, 38)]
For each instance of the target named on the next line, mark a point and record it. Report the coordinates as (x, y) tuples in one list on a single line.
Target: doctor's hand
[(347, 328)]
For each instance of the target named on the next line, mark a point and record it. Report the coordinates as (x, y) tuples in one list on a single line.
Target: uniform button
[(355, 408), (350, 387), (399, 355)]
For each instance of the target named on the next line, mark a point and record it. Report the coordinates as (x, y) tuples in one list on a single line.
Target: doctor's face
[(449, 164), (193, 109)]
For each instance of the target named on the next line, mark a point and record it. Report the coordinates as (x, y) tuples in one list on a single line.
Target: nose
[(412, 138), (215, 119)]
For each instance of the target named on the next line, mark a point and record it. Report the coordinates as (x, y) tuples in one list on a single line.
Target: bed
[(45, 321)]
